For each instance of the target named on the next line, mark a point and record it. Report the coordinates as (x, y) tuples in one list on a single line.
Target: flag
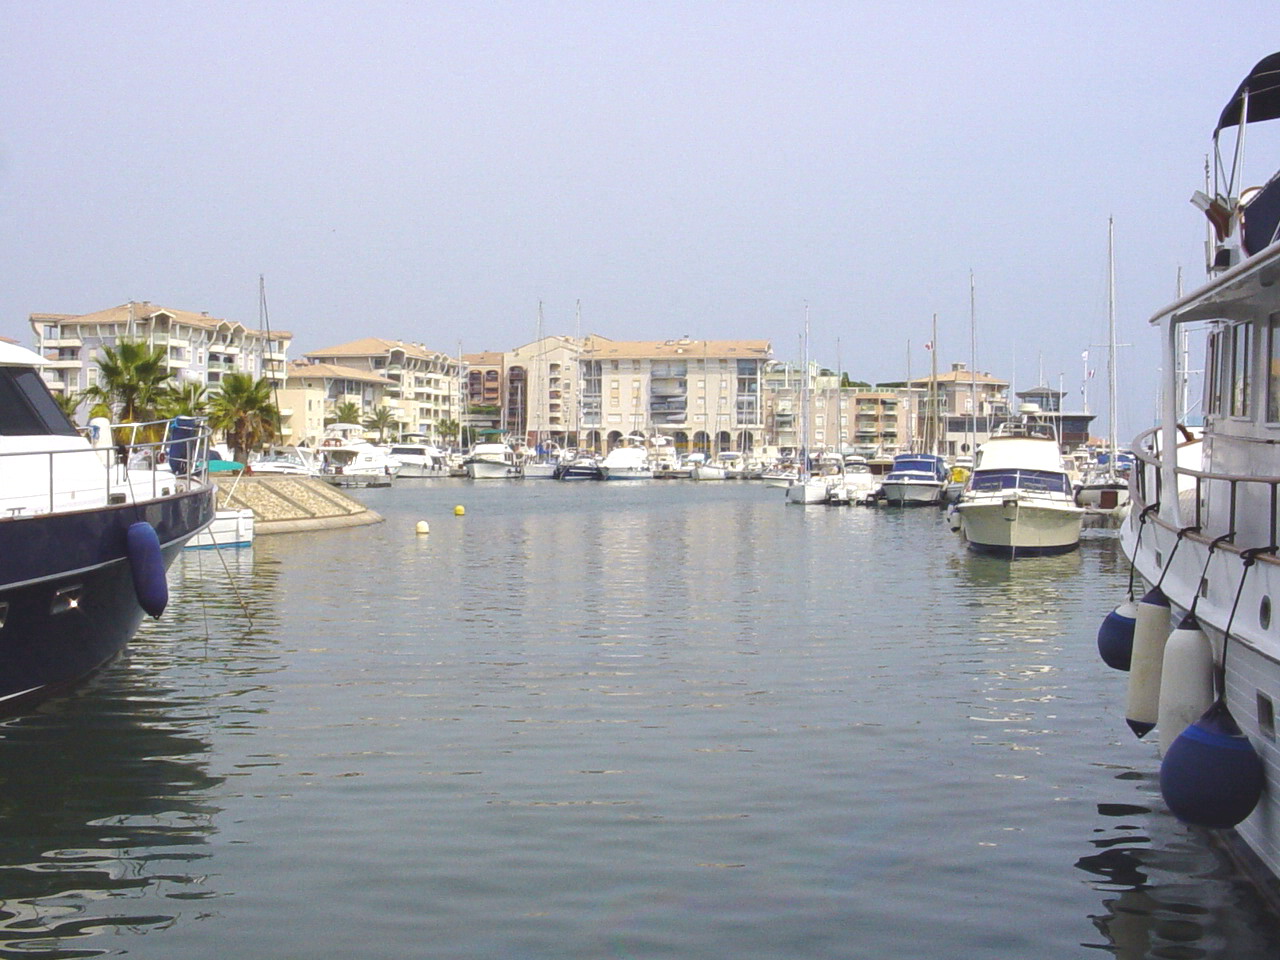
[(928, 345)]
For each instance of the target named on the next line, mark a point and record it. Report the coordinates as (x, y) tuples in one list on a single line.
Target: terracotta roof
[(334, 371), (961, 376), (601, 348), (142, 312), (375, 347), (486, 358)]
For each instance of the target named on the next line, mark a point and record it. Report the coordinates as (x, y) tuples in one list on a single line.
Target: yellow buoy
[(423, 527), (459, 510)]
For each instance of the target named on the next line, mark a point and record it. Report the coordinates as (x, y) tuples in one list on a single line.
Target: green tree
[(189, 400), (69, 402), (448, 429), (345, 412), (244, 411), (380, 420), (132, 378)]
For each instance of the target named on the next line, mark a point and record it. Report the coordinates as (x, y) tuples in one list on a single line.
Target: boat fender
[(1186, 681), (1115, 636), (146, 562), (953, 519), (1150, 631), (1211, 776)]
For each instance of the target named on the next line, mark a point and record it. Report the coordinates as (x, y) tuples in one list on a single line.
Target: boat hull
[(490, 470), (230, 528), (912, 493), (1013, 527), (68, 603), (627, 473)]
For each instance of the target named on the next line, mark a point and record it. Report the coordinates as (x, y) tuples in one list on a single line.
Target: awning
[(1263, 86)]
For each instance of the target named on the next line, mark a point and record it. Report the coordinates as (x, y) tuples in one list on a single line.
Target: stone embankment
[(292, 504)]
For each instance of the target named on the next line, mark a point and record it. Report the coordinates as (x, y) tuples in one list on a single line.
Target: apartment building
[(314, 391), (957, 410), (198, 348), (701, 394), (424, 384)]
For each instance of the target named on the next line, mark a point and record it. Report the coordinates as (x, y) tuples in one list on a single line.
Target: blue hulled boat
[(87, 531)]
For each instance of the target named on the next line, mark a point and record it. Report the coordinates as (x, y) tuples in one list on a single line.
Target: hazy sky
[(430, 171)]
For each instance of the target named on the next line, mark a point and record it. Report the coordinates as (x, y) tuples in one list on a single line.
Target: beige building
[(314, 392), (965, 409), (701, 394), (424, 385), (198, 348)]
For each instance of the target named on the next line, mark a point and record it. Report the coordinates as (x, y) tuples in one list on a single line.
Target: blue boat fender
[(1115, 636), (1212, 776), (146, 562)]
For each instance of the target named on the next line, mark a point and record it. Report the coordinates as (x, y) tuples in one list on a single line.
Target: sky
[(433, 171)]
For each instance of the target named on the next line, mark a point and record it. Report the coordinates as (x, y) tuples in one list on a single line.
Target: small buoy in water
[(1186, 681), (146, 563), (1115, 636), (423, 527), (1150, 631), (1212, 776), (459, 510)]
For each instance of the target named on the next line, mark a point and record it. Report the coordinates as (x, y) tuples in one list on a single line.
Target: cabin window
[(1273, 369), (1240, 370), (26, 407), (1211, 394)]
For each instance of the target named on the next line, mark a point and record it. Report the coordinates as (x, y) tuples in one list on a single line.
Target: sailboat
[(1104, 492), (808, 487), (918, 479), (544, 464)]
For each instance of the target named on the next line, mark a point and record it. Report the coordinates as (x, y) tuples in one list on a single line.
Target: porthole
[(1266, 716), (1204, 587), (1264, 612)]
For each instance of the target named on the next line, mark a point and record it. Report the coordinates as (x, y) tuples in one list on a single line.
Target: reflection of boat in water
[(86, 531)]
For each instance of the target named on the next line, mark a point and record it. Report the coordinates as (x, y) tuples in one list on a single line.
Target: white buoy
[(1186, 681), (1150, 631), (423, 527)]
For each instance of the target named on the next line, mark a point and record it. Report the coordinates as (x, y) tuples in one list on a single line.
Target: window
[(1240, 370), (1273, 369), (1213, 380)]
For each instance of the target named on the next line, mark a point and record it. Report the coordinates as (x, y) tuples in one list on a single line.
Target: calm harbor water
[(610, 721)]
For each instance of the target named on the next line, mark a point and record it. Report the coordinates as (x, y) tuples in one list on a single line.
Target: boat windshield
[(1033, 481), (27, 409)]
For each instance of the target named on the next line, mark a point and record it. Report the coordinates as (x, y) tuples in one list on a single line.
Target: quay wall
[(293, 504)]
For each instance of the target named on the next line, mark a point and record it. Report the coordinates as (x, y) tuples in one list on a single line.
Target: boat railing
[(123, 463), (1246, 494)]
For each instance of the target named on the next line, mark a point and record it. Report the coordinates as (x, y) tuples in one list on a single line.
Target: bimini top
[(1263, 88)]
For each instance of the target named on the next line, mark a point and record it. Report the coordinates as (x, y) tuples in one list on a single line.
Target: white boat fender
[(1150, 631), (1211, 776), (953, 519), (1186, 681), (1115, 636), (146, 563)]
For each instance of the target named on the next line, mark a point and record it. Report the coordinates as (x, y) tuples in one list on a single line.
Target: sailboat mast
[(934, 425), (971, 435), (1111, 348)]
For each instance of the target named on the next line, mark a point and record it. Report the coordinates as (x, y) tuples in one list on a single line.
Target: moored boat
[(87, 531), (491, 461), (1202, 525), (916, 479), (1018, 502)]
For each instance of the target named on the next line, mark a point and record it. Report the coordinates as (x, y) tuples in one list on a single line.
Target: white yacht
[(1203, 520), (349, 459), (916, 479), (492, 461), (287, 461), (627, 461), (419, 457), (1018, 502)]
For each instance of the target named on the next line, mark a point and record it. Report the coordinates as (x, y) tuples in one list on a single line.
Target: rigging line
[(1248, 558), (1168, 564), (1208, 560), (234, 586)]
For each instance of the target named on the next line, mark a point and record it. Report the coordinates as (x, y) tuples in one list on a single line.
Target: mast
[(804, 400), (1111, 349), (971, 435), (933, 428)]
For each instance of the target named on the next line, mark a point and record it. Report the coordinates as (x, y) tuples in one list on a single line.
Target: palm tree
[(380, 420), (189, 400), (131, 381), (245, 412), (448, 429), (69, 402), (345, 412)]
